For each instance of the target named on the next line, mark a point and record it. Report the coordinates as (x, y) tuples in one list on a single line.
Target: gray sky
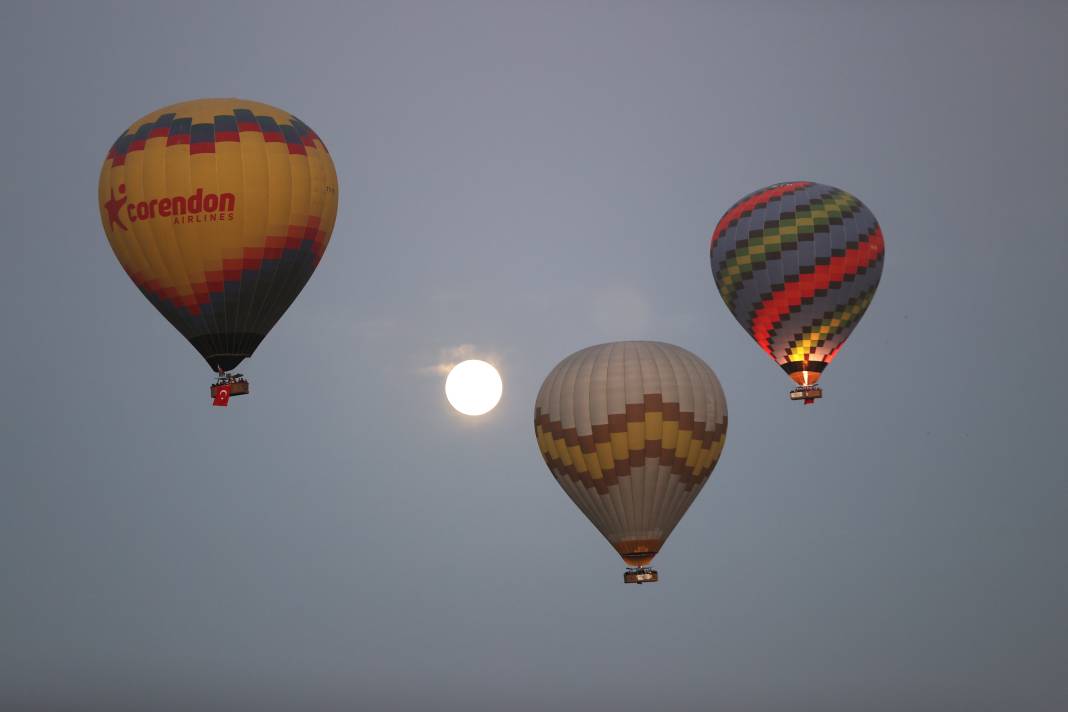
[(531, 179)]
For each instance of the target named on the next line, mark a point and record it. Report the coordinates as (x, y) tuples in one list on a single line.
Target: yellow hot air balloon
[(631, 430), (219, 210)]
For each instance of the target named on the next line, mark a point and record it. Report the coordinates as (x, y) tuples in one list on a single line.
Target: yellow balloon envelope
[(219, 210)]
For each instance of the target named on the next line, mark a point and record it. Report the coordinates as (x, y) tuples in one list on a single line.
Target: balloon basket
[(640, 575), (235, 383), (808, 394)]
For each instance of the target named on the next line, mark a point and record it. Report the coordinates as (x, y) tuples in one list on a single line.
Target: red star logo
[(114, 206)]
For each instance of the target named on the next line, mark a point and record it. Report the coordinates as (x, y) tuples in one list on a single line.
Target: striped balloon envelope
[(219, 210), (631, 431), (797, 265)]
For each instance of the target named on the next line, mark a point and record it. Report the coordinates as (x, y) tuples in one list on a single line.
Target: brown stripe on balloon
[(585, 443), (686, 422), (652, 448), (560, 470), (713, 435), (652, 452), (719, 429), (555, 429), (678, 464)]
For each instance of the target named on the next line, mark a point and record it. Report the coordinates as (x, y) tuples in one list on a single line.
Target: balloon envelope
[(797, 264), (631, 431), (219, 210)]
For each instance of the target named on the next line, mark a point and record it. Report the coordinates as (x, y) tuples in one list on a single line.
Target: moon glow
[(473, 387)]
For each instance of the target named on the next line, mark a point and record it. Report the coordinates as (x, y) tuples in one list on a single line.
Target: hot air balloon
[(219, 210), (797, 264), (631, 430)]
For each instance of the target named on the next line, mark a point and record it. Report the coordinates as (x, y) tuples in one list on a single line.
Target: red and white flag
[(222, 396)]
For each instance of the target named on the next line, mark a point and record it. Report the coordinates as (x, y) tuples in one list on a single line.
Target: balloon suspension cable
[(640, 575), (808, 394), (229, 377)]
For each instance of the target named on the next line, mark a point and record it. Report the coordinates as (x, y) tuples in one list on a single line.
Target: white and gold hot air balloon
[(631, 430)]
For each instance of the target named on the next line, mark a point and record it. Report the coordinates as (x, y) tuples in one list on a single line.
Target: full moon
[(473, 387)]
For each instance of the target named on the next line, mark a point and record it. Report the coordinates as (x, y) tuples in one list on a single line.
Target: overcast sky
[(528, 179)]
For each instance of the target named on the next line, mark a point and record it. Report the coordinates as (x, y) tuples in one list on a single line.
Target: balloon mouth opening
[(224, 362), (637, 554), (804, 373), (226, 351)]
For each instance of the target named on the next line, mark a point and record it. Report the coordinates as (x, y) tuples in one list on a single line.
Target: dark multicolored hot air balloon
[(797, 265), (631, 430), (219, 210)]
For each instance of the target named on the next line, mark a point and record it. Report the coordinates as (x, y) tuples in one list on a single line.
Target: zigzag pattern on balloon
[(797, 265), (756, 200), (825, 328), (801, 290), (307, 238), (781, 235), (671, 438), (202, 137)]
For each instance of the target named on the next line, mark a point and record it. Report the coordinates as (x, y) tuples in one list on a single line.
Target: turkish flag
[(222, 396)]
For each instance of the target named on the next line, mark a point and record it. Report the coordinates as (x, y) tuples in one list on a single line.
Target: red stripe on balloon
[(752, 202), (252, 259), (855, 259)]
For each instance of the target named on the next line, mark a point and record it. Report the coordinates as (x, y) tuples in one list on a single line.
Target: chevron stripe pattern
[(631, 431)]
